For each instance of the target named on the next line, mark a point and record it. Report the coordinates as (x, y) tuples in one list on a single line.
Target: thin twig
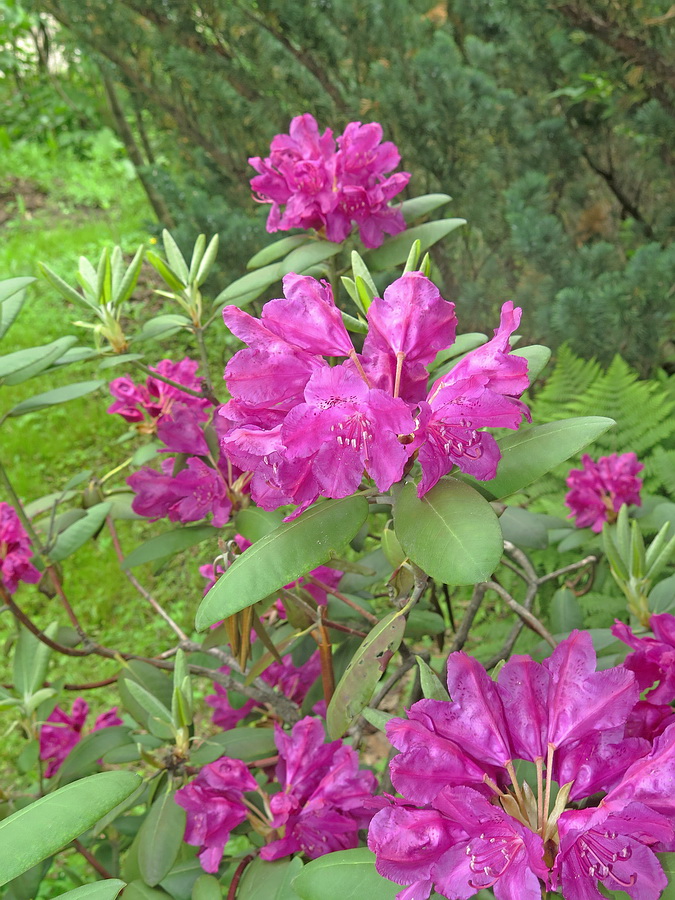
[(351, 603), (169, 381), (177, 630), (467, 620), (531, 620), (91, 859), (238, 872), (589, 560)]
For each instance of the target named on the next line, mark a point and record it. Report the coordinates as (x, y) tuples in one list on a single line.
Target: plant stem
[(234, 884), (169, 381), (177, 630)]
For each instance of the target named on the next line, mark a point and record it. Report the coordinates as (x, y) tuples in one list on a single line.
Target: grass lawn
[(56, 210)]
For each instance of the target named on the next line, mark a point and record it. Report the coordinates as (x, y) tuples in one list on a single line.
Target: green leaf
[(394, 251), (247, 744), (207, 261), (361, 270), (159, 718), (566, 614), (376, 717), (167, 274), (248, 287), (138, 890), (431, 684), (10, 287), (160, 838), (126, 287), (305, 257), (102, 890), (452, 533), (423, 623), (12, 299), (537, 357), (64, 288), (355, 689), (31, 659), (352, 872), (24, 364), (169, 543), (254, 523), (282, 556), (276, 250), (69, 811), (56, 396), (153, 680), (206, 887), (531, 452), (175, 257), (162, 326), (417, 207), (524, 528), (269, 880), (356, 326), (662, 596), (85, 755), (79, 532)]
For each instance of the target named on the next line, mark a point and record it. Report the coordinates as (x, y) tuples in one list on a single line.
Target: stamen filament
[(539, 763), (549, 776), (516, 786), (400, 356)]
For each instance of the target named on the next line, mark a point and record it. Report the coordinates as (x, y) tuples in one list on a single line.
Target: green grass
[(43, 450)]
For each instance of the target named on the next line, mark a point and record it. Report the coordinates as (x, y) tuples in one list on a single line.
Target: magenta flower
[(346, 427), (481, 391), (214, 806), (324, 798), (465, 821), (599, 489), (654, 658), (15, 551), (331, 190), (145, 404), (306, 428), (614, 849), (191, 495), (61, 732), (408, 326)]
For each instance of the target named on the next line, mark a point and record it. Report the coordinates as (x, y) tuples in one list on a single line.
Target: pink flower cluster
[(183, 491), (61, 732), (599, 489), (15, 551), (147, 405), (323, 801), (306, 428), (466, 823), (329, 189)]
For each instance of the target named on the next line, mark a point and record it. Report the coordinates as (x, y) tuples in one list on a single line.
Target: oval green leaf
[(531, 452), (79, 533), (70, 811), (23, 364), (282, 556), (103, 890), (169, 543), (276, 250), (85, 755), (355, 689), (160, 838), (452, 533), (269, 880), (247, 744), (353, 872), (395, 250), (419, 206), (58, 395)]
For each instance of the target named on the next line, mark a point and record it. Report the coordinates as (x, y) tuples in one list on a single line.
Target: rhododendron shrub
[(327, 500)]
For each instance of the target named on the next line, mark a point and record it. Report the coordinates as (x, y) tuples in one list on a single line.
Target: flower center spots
[(600, 856), (307, 177), (490, 857), (353, 432), (466, 443)]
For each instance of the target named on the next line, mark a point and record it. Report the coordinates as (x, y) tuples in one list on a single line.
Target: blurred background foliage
[(551, 125)]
